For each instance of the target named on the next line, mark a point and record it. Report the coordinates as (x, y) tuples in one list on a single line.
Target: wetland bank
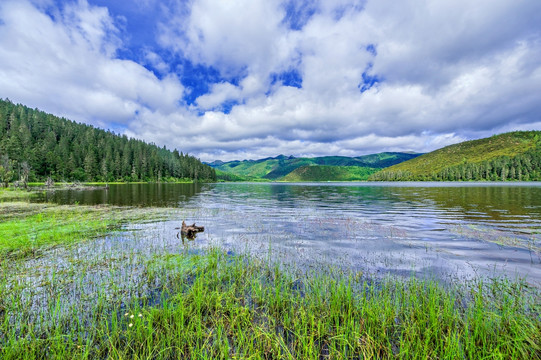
[(281, 271)]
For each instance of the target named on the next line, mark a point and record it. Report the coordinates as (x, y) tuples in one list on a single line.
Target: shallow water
[(443, 230)]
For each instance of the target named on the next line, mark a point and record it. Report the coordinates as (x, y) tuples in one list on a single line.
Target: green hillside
[(509, 156), (329, 173), (285, 166), (227, 176), (247, 168), (280, 166)]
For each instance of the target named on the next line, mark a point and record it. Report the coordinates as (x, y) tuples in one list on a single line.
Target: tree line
[(35, 146), (522, 167)]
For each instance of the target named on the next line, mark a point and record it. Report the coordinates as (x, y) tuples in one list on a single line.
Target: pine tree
[(63, 149)]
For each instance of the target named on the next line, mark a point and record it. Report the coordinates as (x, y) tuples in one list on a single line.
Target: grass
[(276, 169), (63, 184), (15, 194), (26, 228), (217, 306), (177, 303), (249, 169)]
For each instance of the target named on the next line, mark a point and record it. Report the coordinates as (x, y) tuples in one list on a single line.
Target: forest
[(512, 156), (522, 167), (35, 146)]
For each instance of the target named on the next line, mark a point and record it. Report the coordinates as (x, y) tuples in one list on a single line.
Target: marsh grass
[(185, 302), (26, 227), (15, 194), (216, 306), (528, 239)]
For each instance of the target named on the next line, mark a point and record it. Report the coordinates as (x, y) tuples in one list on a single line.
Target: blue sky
[(255, 78)]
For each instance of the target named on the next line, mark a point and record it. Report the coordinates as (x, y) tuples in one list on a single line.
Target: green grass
[(329, 173), (215, 306), (26, 228), (287, 166), (14, 194), (212, 305), (102, 183), (228, 176), (249, 169)]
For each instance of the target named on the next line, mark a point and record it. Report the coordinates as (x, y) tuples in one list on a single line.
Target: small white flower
[(126, 314), (130, 325), (140, 315), (131, 317)]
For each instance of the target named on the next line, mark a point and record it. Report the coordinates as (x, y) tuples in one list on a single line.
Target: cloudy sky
[(239, 79)]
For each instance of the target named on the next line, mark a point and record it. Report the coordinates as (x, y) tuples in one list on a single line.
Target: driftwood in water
[(49, 182), (190, 230)]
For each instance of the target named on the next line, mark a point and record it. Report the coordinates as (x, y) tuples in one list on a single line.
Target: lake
[(450, 231)]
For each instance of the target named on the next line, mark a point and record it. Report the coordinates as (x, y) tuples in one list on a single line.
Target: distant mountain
[(329, 173), (509, 156), (278, 167)]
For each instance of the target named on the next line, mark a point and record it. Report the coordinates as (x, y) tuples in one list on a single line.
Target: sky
[(248, 79)]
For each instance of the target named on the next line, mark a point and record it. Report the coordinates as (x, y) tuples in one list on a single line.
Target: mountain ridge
[(276, 168)]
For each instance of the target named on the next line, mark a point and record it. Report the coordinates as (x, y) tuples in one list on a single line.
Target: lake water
[(443, 230)]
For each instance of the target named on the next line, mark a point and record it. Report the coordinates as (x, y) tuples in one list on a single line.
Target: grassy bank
[(15, 194), (26, 228), (216, 306), (173, 302)]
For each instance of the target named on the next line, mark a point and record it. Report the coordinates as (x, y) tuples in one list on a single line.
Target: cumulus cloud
[(66, 63), (156, 61), (431, 73), (315, 77)]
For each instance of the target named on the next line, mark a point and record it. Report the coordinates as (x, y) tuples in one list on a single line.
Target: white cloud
[(445, 68), (229, 34), (67, 66), (446, 71), (219, 94), (156, 61)]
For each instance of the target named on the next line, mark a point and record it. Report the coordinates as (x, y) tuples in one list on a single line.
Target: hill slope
[(37, 145), (329, 173), (280, 166), (509, 156)]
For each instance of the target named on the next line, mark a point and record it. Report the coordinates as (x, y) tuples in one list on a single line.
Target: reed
[(214, 305), (218, 306)]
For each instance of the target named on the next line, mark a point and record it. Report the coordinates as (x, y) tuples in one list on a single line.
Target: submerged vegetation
[(122, 297), (28, 228)]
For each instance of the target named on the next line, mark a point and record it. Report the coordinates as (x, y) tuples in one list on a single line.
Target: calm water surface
[(446, 230)]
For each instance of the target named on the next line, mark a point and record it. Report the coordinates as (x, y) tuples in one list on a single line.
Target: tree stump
[(49, 182), (190, 231)]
